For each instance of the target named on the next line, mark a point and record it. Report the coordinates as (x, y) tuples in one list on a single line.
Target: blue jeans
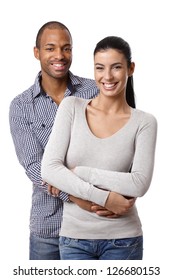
[(101, 249), (44, 248)]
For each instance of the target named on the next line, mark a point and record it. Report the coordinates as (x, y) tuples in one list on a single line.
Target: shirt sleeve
[(28, 149), (53, 169), (136, 182)]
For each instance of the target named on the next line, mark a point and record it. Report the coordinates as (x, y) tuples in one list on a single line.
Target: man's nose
[(59, 54)]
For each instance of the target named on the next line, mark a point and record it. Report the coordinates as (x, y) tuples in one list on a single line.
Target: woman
[(102, 150)]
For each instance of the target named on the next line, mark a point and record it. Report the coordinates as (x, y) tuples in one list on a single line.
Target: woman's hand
[(118, 204)]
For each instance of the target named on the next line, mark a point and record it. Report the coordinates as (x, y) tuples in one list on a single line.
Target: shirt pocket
[(41, 129)]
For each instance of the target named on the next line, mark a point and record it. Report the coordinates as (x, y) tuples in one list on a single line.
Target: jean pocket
[(128, 242), (64, 241)]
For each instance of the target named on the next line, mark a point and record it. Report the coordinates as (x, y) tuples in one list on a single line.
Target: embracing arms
[(54, 170)]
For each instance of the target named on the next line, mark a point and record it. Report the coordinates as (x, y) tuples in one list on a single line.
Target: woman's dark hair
[(113, 42)]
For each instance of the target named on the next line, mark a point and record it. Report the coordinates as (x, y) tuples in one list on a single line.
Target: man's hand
[(84, 204), (91, 207), (51, 190), (102, 211)]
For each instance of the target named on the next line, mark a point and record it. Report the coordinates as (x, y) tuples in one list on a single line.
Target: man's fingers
[(55, 192), (52, 191), (113, 216), (95, 208), (49, 189), (104, 213)]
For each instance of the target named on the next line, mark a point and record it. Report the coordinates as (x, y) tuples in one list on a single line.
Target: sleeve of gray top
[(53, 170), (137, 182)]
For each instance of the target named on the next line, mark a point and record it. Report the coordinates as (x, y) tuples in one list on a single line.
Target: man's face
[(55, 53)]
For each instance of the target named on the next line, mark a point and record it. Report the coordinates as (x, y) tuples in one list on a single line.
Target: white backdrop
[(147, 26)]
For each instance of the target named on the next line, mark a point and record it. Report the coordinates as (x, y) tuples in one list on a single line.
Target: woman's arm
[(55, 173), (137, 181)]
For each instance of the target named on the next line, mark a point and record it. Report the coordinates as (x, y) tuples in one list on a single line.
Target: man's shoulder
[(84, 87), (24, 97), (28, 94), (83, 81)]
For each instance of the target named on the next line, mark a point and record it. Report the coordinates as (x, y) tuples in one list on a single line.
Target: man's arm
[(28, 149), (88, 205)]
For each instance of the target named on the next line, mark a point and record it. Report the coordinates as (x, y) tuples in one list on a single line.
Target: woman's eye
[(99, 68), (117, 67)]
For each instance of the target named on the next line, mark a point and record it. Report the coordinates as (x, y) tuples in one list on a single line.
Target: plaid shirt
[(31, 117)]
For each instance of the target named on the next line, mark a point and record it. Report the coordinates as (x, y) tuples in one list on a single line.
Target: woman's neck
[(111, 104)]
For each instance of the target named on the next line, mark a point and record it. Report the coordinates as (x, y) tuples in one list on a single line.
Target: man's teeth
[(58, 65)]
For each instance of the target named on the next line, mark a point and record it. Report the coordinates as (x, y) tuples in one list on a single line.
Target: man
[(31, 116)]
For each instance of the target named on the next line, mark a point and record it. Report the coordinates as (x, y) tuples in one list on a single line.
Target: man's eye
[(67, 49), (49, 49)]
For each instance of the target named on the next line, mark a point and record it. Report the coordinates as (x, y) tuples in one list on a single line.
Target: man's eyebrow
[(49, 44)]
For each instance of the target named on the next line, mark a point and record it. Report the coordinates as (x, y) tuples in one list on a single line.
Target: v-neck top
[(122, 162), (88, 128)]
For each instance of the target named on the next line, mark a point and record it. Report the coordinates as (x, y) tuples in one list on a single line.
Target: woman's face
[(111, 72)]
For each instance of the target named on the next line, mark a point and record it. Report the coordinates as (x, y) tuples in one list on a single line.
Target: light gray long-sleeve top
[(101, 165)]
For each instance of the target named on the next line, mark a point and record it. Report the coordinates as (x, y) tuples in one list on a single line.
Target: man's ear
[(36, 53), (131, 69)]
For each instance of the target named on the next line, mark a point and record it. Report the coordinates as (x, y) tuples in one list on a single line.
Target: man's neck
[(55, 88)]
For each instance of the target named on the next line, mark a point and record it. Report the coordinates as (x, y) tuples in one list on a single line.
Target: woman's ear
[(131, 69)]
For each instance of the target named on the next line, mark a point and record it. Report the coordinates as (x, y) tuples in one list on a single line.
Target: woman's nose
[(108, 74)]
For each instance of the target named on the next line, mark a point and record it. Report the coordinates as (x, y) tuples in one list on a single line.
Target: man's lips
[(58, 66)]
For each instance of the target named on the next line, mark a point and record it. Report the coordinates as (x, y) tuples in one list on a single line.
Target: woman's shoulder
[(144, 117), (143, 114), (72, 104), (71, 100)]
